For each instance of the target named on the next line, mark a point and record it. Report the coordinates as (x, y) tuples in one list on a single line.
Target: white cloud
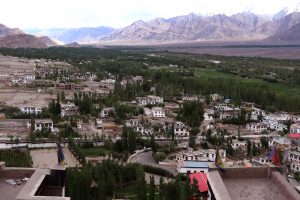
[(119, 13)]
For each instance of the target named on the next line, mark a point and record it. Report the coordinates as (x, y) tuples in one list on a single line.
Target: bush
[(16, 158), (159, 156), (157, 171)]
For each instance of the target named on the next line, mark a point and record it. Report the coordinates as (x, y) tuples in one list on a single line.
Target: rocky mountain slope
[(5, 31), (80, 35), (290, 36), (192, 27), (21, 41), (15, 38)]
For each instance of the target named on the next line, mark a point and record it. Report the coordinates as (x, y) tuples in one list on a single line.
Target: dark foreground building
[(253, 183), (32, 184)]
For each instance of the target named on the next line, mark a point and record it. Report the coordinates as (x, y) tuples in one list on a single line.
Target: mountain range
[(282, 28), (244, 26), (16, 38)]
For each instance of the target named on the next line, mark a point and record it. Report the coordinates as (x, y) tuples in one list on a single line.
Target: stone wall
[(284, 186), (251, 172), (16, 173)]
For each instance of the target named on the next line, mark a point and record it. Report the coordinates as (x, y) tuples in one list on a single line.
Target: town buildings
[(295, 128), (226, 112), (40, 124), (68, 109), (181, 130), (150, 100), (256, 127)]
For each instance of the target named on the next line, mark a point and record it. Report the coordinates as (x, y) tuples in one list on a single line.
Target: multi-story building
[(40, 124), (238, 144), (295, 128), (181, 130), (256, 127), (275, 125), (69, 86), (158, 112), (294, 156), (106, 111), (226, 112), (295, 166), (31, 109), (150, 100), (69, 109), (203, 155)]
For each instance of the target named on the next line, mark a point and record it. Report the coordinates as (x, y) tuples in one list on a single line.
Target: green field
[(276, 87), (95, 151), (130, 191)]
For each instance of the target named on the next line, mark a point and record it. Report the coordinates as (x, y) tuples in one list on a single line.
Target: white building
[(295, 128), (295, 166), (204, 155), (181, 130), (106, 111), (143, 130), (42, 123), (226, 112), (216, 97), (275, 125), (29, 76), (150, 100), (158, 112), (294, 156), (111, 81), (256, 127), (255, 113), (190, 98), (263, 160), (187, 167), (132, 122), (69, 109), (283, 141), (31, 109), (208, 115), (238, 144)]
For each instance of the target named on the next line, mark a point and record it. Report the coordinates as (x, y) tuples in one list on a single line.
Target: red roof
[(294, 135), (202, 180)]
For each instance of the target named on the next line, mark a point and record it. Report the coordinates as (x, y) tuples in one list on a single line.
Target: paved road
[(146, 158)]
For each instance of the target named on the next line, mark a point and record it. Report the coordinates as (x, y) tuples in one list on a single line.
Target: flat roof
[(294, 135), (259, 183), (7, 191), (194, 164), (253, 188)]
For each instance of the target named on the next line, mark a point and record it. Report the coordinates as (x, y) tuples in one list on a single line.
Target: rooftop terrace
[(259, 183)]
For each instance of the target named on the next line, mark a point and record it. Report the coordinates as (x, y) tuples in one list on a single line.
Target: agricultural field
[(16, 157), (24, 97), (96, 151), (276, 87)]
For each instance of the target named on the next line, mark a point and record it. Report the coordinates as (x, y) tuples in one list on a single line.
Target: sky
[(42, 14)]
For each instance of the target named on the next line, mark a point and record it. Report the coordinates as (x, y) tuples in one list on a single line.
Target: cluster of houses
[(191, 161), (18, 77)]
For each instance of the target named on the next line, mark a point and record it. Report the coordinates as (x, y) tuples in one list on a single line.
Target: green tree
[(151, 189), (161, 191), (131, 141), (264, 142), (192, 141), (153, 144), (142, 188), (191, 113), (249, 148)]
